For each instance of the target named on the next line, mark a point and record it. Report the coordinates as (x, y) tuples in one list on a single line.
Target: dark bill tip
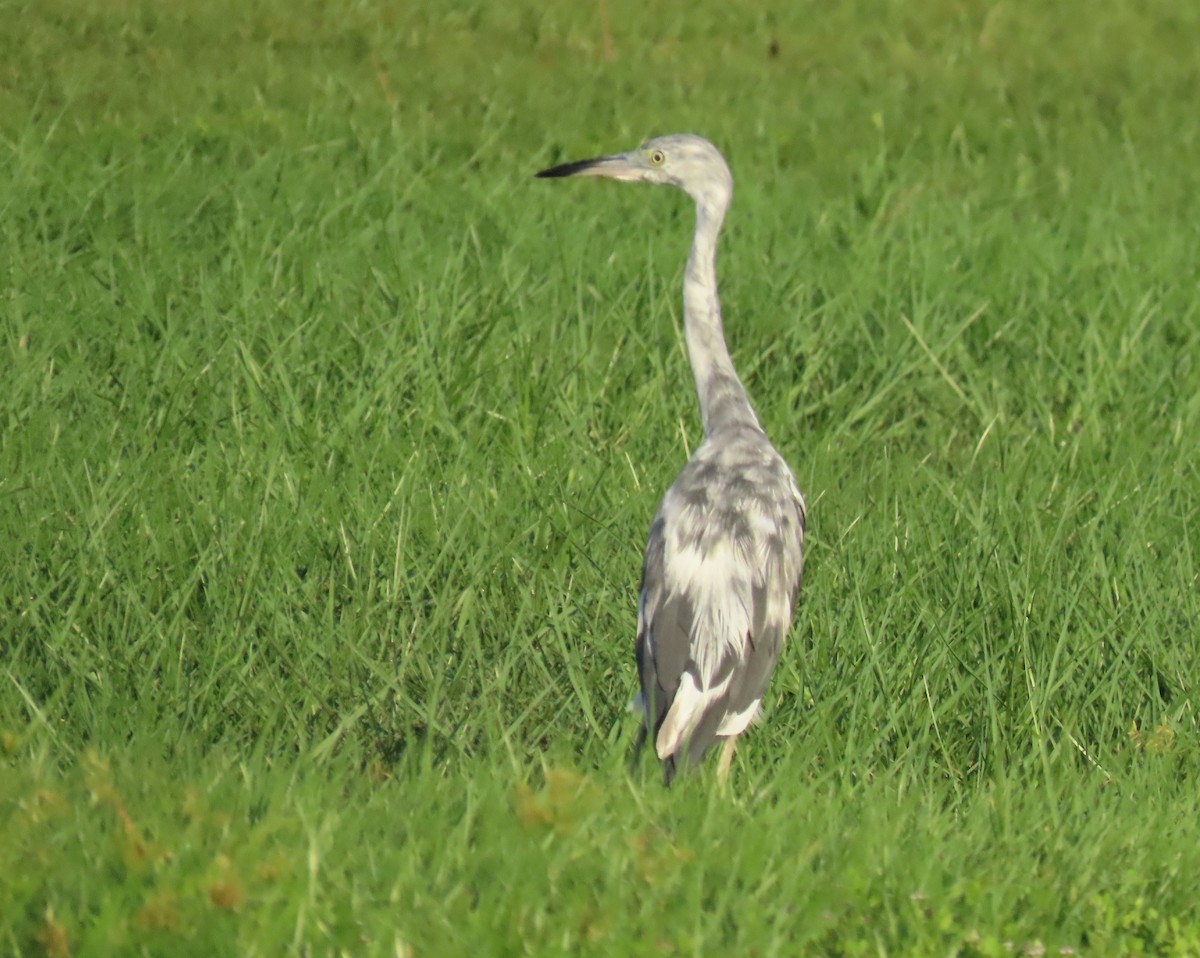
[(567, 169)]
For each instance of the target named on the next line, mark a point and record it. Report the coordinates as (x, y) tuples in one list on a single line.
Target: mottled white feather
[(687, 709)]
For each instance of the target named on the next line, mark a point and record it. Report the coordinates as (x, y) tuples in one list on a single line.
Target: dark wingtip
[(564, 169)]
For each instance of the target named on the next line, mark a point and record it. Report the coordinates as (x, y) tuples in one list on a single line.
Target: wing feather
[(722, 569)]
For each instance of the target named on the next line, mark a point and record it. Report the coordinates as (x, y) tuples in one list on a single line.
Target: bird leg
[(726, 760), (637, 747)]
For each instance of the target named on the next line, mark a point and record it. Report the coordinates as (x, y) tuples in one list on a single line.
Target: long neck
[(723, 400)]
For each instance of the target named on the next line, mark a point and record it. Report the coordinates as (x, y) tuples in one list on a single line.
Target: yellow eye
[(658, 157)]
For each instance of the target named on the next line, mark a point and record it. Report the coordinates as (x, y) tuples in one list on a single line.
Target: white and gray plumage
[(725, 552)]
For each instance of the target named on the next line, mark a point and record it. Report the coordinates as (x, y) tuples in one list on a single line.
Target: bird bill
[(618, 167)]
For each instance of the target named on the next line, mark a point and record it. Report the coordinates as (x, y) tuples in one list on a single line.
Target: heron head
[(681, 159)]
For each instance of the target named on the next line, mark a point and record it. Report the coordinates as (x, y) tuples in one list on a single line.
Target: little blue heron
[(726, 548)]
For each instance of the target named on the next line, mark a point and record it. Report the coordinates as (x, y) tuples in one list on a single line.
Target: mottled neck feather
[(723, 400)]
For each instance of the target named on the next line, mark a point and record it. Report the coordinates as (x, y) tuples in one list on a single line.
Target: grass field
[(329, 440)]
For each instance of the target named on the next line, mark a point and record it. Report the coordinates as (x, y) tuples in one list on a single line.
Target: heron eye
[(658, 157)]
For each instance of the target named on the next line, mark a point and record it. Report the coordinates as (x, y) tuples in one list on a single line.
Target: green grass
[(329, 439)]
